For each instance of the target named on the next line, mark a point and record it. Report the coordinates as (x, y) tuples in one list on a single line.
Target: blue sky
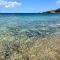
[(27, 6)]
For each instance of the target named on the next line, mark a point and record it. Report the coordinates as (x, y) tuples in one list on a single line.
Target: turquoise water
[(29, 25)]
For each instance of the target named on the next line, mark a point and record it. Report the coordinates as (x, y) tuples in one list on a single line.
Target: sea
[(29, 36), (29, 25)]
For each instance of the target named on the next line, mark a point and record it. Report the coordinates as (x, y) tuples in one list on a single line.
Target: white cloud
[(9, 4), (58, 1)]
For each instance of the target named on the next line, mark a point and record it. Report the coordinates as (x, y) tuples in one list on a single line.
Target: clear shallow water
[(20, 36), (29, 25)]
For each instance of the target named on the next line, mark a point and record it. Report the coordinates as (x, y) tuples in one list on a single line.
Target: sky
[(28, 6)]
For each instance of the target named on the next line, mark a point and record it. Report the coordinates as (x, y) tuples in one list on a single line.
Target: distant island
[(53, 11)]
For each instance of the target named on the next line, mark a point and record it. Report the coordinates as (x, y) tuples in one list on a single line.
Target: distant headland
[(53, 11)]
